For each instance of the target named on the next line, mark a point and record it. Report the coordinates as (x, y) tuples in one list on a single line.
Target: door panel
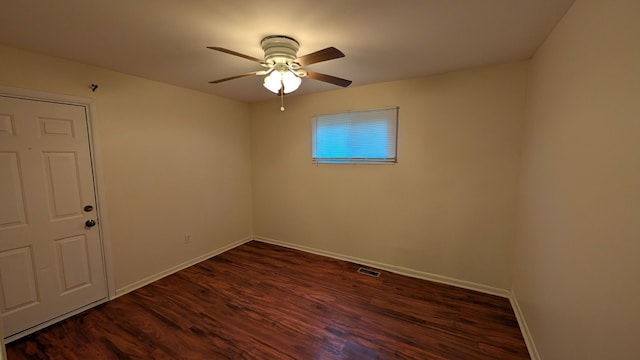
[(56, 127), (50, 263), (63, 189), (6, 125), (74, 262), (18, 285), (12, 212)]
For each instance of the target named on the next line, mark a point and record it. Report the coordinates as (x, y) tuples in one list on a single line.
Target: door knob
[(90, 223)]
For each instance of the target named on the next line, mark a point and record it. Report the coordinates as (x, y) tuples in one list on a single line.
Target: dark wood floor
[(260, 301)]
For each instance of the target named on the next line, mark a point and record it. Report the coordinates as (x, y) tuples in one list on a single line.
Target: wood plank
[(261, 301)]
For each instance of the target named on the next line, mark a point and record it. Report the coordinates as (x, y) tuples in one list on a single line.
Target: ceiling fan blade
[(261, 72), (329, 53), (328, 78), (231, 52)]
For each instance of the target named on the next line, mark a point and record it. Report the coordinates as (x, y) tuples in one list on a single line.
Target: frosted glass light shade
[(291, 82), (273, 81), (277, 79)]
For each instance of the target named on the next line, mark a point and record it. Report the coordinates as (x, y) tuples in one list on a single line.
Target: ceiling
[(165, 40)]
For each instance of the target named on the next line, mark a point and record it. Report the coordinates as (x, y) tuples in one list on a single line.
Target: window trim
[(356, 160)]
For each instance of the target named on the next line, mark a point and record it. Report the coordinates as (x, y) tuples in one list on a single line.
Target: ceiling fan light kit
[(284, 80), (284, 71), (280, 53)]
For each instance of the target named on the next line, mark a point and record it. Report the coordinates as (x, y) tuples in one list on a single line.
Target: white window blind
[(355, 137)]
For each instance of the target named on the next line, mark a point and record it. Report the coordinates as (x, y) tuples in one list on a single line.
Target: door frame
[(98, 183)]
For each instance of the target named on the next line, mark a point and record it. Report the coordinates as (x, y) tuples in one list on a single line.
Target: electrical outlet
[(187, 239)]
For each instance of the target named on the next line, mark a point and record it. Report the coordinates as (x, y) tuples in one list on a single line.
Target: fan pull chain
[(282, 97)]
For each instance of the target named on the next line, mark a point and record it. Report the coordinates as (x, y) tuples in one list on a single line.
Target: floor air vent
[(368, 272)]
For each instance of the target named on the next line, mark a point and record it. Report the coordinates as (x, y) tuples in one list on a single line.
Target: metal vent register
[(369, 272)]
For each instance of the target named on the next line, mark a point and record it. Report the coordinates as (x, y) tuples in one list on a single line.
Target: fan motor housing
[(279, 49)]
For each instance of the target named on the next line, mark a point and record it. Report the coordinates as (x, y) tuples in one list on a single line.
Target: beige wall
[(447, 206), (175, 162), (578, 245)]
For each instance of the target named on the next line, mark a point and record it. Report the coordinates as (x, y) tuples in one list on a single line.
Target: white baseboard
[(148, 280), (533, 353), (391, 268), (526, 334), (394, 269)]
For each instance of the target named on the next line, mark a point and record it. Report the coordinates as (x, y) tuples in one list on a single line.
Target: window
[(355, 137)]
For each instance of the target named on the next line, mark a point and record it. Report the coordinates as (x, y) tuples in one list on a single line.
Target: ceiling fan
[(282, 65)]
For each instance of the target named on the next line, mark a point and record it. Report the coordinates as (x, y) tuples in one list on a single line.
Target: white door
[(50, 250)]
